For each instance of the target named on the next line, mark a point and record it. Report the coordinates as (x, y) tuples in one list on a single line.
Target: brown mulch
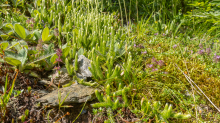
[(128, 117), (17, 106)]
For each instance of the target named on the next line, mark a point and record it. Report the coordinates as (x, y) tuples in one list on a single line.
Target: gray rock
[(80, 76), (62, 77), (83, 64), (77, 94)]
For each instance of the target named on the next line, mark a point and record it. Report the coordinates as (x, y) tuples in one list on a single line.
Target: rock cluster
[(75, 93)]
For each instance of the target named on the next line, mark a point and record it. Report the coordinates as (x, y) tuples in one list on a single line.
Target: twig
[(191, 81), (125, 121), (193, 90), (80, 111)]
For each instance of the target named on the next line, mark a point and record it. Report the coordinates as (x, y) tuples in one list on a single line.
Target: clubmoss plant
[(111, 101), (70, 68), (149, 110)]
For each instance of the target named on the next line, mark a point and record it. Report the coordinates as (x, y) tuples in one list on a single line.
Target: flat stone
[(77, 94), (80, 76), (62, 77)]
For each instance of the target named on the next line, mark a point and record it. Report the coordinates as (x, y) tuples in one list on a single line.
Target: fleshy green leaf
[(10, 54), (19, 45), (8, 25), (42, 58), (4, 37), (22, 56), (49, 37), (4, 45), (34, 74), (20, 31), (45, 34), (37, 34), (12, 61), (10, 33), (30, 36)]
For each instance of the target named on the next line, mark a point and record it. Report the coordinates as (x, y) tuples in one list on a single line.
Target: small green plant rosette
[(70, 68), (167, 112), (106, 101), (23, 117), (61, 101), (99, 96), (98, 69), (110, 115), (181, 116), (4, 99), (29, 89), (110, 65), (116, 72), (26, 112), (146, 107), (108, 92), (149, 111)]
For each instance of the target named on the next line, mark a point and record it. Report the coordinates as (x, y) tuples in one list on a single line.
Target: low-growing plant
[(62, 101), (25, 115), (19, 58), (148, 111), (111, 101), (110, 74), (70, 68), (6, 97), (29, 90)]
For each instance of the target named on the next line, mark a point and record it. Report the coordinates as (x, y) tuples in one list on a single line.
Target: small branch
[(191, 81)]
